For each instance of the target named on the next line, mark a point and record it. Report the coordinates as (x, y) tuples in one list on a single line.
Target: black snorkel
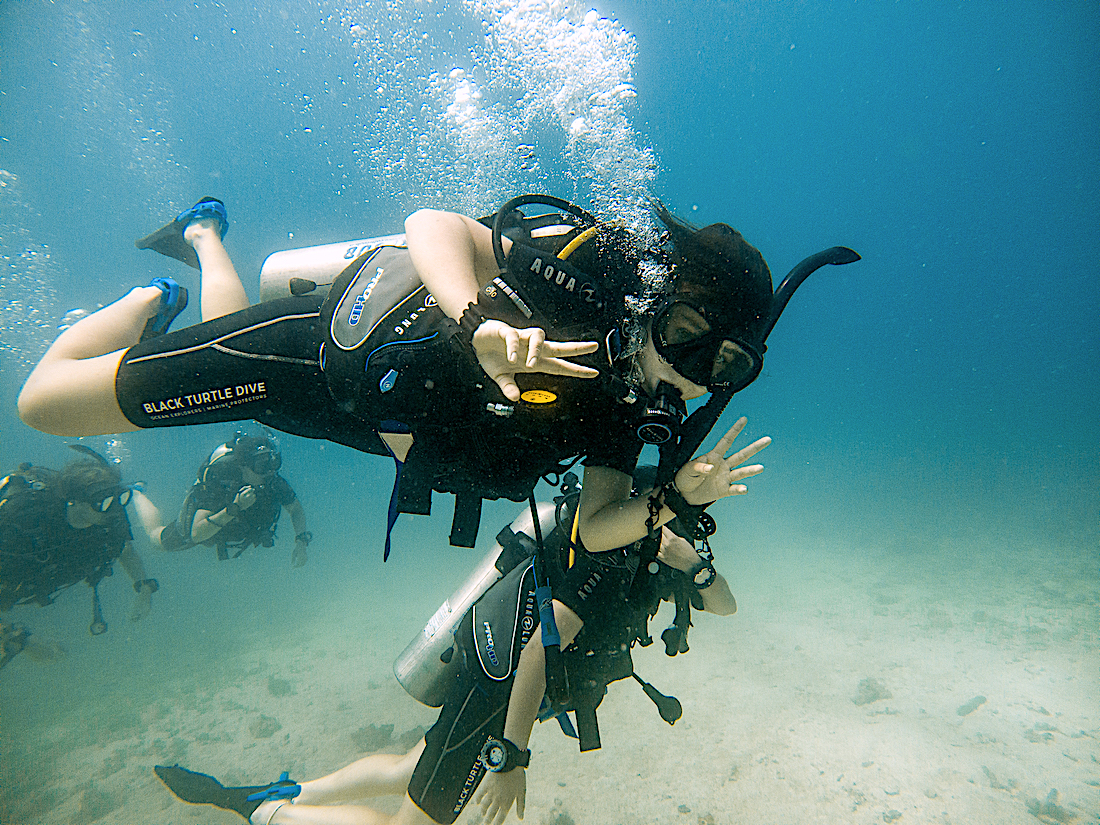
[(88, 451), (699, 424)]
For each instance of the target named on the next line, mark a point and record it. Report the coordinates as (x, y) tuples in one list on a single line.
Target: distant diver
[(236, 501), (60, 528)]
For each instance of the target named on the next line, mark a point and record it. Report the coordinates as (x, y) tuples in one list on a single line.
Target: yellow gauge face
[(538, 396)]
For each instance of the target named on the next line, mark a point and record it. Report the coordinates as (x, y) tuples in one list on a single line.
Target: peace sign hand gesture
[(712, 476), (503, 351)]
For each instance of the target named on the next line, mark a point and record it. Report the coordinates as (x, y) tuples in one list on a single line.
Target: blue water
[(934, 406)]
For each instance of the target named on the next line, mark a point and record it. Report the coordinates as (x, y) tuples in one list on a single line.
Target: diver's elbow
[(35, 412)]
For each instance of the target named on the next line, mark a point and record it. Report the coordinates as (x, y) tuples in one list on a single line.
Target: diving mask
[(685, 339), (104, 499), (265, 461)]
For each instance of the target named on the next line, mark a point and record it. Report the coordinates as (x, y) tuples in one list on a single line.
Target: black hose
[(524, 200)]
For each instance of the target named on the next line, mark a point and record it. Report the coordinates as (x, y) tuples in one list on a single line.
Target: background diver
[(58, 528), (236, 501)]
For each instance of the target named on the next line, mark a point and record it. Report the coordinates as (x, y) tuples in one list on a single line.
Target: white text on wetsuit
[(218, 397)]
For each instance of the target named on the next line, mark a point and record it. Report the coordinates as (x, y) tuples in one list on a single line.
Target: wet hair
[(718, 269), (84, 477), (247, 448)]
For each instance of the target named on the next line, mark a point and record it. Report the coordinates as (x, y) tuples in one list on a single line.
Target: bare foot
[(201, 231), (149, 298)]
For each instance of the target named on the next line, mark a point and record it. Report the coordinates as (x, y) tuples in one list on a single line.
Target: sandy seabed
[(851, 687)]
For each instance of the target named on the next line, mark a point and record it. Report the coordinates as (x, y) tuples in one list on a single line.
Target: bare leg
[(380, 774), (72, 389), (375, 775), (222, 292), (298, 814)]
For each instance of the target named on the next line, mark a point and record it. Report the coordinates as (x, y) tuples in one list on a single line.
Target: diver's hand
[(677, 552), (142, 604), (245, 497), (298, 555), (497, 793), (503, 351), (712, 476)]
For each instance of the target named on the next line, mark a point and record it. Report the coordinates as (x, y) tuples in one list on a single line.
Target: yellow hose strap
[(571, 247), (573, 536)]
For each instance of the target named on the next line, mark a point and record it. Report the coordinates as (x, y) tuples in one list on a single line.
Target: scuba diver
[(489, 680), (236, 502), (434, 351), (58, 528)]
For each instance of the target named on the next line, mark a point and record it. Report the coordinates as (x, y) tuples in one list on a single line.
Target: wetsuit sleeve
[(617, 446), (283, 492), (121, 531)]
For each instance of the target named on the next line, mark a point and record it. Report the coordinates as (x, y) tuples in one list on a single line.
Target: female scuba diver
[(476, 661), (393, 358)]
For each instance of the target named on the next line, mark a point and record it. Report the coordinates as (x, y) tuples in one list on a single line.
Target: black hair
[(612, 254), (718, 269), (85, 476)]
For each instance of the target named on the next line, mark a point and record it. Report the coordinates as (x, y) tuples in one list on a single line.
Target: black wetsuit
[(268, 363), (596, 587)]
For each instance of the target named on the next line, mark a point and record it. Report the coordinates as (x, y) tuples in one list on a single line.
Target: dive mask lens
[(103, 502), (735, 365), (686, 341)]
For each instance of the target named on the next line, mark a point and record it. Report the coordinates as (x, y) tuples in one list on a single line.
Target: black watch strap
[(503, 755), (470, 321), (153, 585), (688, 514), (305, 537), (461, 334)]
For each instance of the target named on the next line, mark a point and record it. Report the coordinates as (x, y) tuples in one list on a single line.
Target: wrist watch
[(703, 574), (503, 755)]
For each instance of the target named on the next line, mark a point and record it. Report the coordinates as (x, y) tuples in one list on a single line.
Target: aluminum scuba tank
[(316, 265), (421, 668)]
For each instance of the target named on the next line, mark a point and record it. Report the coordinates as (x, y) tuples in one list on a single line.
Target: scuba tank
[(300, 271), (424, 667)]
